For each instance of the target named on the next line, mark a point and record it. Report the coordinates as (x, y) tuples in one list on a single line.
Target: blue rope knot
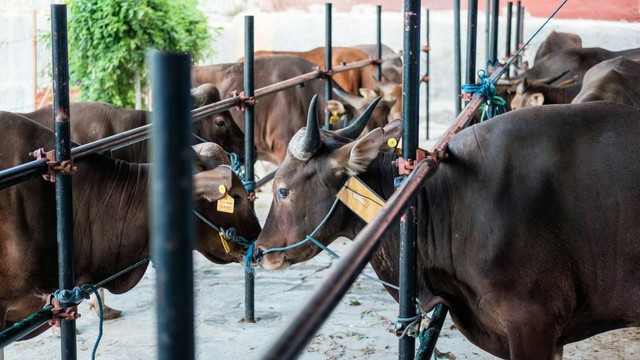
[(247, 259), (236, 164), (488, 90), (71, 297), (249, 185)]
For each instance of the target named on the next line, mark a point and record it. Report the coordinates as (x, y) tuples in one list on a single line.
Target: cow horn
[(551, 79), (357, 126), (304, 148), (353, 100)]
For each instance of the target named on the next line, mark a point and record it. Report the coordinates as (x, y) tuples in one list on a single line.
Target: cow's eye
[(283, 193), (220, 123), (236, 199)]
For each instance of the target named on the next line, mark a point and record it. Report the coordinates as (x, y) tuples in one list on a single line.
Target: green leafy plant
[(109, 39)]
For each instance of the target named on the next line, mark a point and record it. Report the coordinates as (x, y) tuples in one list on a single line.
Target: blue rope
[(486, 85), (247, 259), (199, 138), (249, 185), (236, 164), (75, 297), (229, 234), (488, 90)]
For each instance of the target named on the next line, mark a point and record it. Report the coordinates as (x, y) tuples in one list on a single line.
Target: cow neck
[(434, 225), (111, 216)]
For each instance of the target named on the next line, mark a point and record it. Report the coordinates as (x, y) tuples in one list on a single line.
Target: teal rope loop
[(250, 186), (488, 90), (229, 234), (75, 297), (236, 164)]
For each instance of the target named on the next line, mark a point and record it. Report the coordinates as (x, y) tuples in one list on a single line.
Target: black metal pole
[(249, 156), (64, 202), (26, 326), (172, 223), (521, 28), (432, 332), (427, 64), (507, 50), (408, 233), (457, 58), (472, 38), (487, 32), (327, 64), (379, 40), (495, 8)]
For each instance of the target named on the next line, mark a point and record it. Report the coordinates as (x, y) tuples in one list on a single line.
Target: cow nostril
[(257, 255)]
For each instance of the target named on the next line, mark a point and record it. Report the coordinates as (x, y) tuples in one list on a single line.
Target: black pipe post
[(408, 226), (379, 41), (249, 156), (472, 37), (495, 7), (507, 50), (171, 202), (487, 31), (64, 205), (426, 80), (521, 40), (327, 64), (456, 57)]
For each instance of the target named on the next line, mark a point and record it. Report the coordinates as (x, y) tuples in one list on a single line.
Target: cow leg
[(557, 355), (107, 312), (531, 340)]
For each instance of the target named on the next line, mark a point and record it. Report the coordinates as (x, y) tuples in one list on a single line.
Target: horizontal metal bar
[(265, 179), (26, 171), (23, 172), (307, 322), (25, 327)]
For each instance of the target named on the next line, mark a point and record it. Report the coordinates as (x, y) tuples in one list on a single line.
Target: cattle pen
[(296, 337)]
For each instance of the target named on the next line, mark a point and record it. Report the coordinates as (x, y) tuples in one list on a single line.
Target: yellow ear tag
[(358, 197), (334, 118), (225, 204), (225, 244), (222, 189), (392, 142)]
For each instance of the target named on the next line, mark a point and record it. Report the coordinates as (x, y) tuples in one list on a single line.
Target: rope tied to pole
[(494, 104), (236, 164), (229, 234)]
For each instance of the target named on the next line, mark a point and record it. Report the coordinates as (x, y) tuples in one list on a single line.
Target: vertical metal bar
[(427, 71), (327, 64), (379, 40), (487, 32), (432, 332), (456, 57), (519, 29), (408, 233), (507, 50), (64, 204), (495, 8), (249, 156), (34, 45), (172, 224), (472, 37)]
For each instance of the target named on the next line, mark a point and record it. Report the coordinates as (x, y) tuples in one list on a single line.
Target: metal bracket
[(244, 101), (426, 48), (465, 96), (65, 167), (324, 74), (69, 314), (406, 166), (425, 78)]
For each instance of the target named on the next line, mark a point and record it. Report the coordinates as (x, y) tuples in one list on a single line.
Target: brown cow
[(556, 41), (110, 214), (277, 116), (614, 80), (391, 62), (95, 120), (351, 81), (528, 231)]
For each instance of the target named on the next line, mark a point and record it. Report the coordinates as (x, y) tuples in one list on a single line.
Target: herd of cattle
[(528, 231)]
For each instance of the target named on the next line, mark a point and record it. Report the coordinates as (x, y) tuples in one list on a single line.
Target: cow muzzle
[(271, 261)]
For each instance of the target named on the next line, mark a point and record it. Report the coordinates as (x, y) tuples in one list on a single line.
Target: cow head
[(305, 185), (218, 128), (353, 106), (214, 182)]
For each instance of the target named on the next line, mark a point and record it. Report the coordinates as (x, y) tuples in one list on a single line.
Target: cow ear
[(209, 155), (355, 157), (213, 184), (336, 106), (536, 99)]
